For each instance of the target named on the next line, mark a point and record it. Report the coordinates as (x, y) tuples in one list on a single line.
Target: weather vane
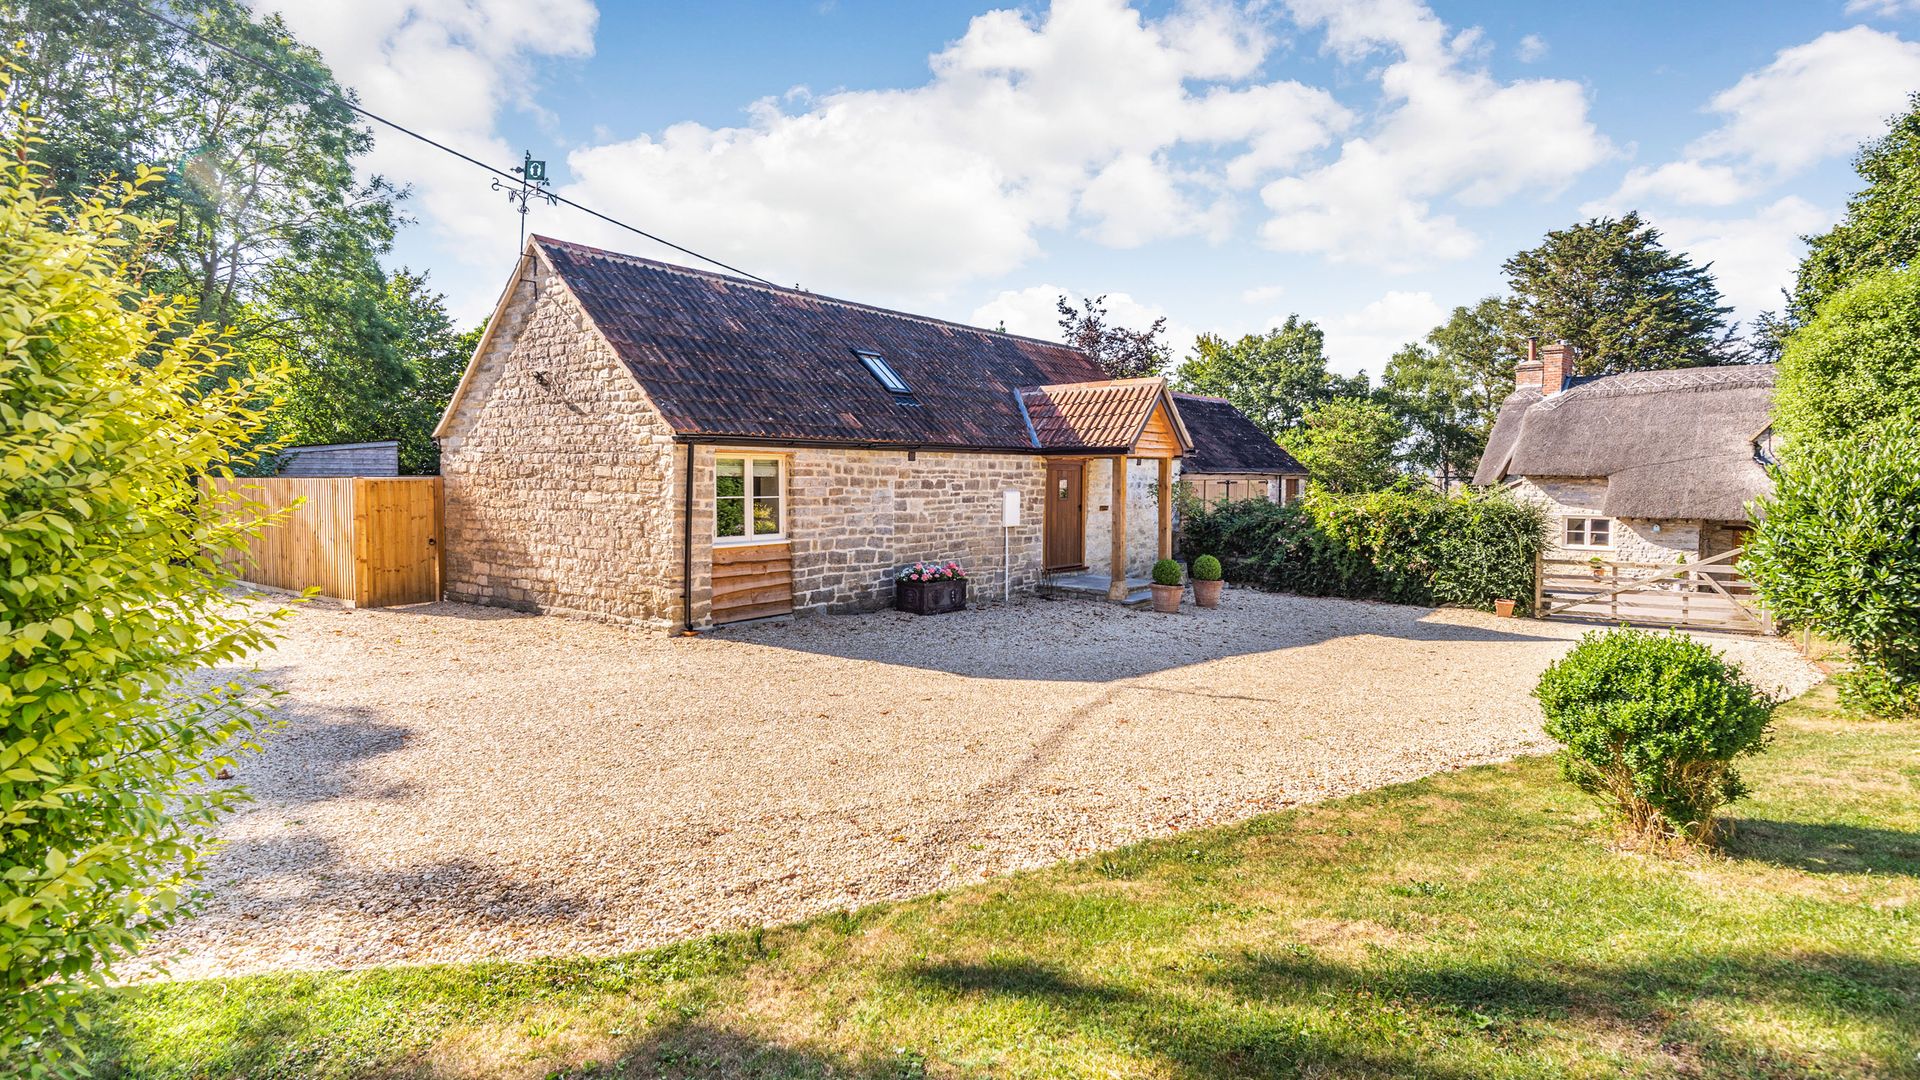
[(532, 185)]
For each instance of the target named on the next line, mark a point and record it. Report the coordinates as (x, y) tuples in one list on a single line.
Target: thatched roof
[(1671, 444)]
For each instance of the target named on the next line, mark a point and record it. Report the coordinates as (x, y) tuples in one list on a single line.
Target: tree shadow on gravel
[(1094, 641)]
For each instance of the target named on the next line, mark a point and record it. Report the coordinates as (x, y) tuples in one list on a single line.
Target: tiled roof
[(1225, 441), (1105, 415), (726, 357)]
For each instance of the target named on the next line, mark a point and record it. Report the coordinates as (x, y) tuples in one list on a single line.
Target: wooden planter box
[(930, 597)]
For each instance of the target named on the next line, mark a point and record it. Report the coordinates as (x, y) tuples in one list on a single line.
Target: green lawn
[(1471, 925)]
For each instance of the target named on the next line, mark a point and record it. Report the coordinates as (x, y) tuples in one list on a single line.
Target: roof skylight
[(883, 371)]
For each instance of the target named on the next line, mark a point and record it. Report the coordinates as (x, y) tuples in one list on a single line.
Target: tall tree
[(1349, 445), (1447, 390), (1275, 378), (260, 170), (1610, 289), (278, 239), (1121, 352), (1881, 228)]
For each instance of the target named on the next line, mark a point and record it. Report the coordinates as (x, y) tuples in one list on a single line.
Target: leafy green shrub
[(1838, 552), (1206, 568), (1407, 547), (1856, 364), (1167, 572), (1651, 724), (112, 405)]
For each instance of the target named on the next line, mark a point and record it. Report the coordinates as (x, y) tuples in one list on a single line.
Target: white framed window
[(749, 499), (1588, 532)]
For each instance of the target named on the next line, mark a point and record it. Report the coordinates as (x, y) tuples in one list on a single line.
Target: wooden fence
[(1710, 594), (371, 541)]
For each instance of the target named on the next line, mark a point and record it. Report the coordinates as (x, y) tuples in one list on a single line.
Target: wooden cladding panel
[(1158, 439), (372, 542), (751, 581)]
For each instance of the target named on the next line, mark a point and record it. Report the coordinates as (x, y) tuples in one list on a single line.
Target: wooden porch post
[(1117, 582), (1166, 508)]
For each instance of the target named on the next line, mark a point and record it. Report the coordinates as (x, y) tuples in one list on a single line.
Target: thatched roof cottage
[(1644, 466)]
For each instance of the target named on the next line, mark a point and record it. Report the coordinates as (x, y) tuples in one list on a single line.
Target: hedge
[(1404, 547)]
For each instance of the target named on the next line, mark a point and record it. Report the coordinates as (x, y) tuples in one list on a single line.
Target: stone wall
[(560, 489), (1143, 514), (1641, 540)]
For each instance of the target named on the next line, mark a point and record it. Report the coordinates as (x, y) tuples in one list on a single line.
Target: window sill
[(748, 541)]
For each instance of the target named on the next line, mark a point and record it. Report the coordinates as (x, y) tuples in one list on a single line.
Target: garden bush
[(1651, 725), (1855, 364), (1206, 568), (110, 406), (1166, 572), (1838, 552), (1407, 547)]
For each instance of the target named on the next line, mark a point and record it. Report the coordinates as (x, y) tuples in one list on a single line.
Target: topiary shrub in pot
[(1206, 581), (1651, 725), (1166, 586)]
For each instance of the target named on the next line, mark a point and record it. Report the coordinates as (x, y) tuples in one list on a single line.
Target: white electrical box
[(1010, 508)]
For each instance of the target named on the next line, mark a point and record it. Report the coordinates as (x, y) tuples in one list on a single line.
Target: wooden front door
[(1066, 516)]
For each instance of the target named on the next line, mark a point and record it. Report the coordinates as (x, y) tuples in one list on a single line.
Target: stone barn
[(643, 442), (1646, 467)]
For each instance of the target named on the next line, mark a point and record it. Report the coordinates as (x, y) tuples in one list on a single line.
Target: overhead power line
[(468, 158)]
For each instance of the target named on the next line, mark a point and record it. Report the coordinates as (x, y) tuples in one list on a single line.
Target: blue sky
[(1365, 164)]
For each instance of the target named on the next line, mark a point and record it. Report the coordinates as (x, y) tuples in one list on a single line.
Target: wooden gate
[(1707, 595), (371, 541)]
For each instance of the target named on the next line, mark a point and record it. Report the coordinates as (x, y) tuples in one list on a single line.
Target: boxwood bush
[(1207, 568), (1167, 572), (1406, 547), (1651, 725)]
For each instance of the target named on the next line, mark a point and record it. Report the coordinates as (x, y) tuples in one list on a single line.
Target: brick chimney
[(1556, 364), (1526, 374)]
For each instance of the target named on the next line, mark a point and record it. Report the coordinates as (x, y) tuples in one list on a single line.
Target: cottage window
[(1289, 490), (747, 498), (1589, 532)]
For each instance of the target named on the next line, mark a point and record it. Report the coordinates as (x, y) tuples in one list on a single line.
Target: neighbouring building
[(640, 441), (1232, 459), (342, 459), (1647, 467)]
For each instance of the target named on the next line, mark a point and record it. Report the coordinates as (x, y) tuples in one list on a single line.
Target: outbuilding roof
[(1671, 444), (1226, 441), (724, 357)]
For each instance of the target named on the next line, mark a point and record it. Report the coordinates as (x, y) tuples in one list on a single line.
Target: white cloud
[(1262, 294), (1814, 101), (447, 69), (1753, 257), (1032, 311), (1685, 183), (1450, 132), (1532, 49), (1089, 117), (1885, 9), (1367, 338)]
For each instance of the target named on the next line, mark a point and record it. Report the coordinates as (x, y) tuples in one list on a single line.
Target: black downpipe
[(686, 551)]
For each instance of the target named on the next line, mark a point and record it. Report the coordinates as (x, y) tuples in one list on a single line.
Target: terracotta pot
[(1206, 593), (1166, 598), (1503, 608)]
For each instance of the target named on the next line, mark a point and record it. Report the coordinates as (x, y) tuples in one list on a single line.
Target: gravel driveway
[(456, 783)]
